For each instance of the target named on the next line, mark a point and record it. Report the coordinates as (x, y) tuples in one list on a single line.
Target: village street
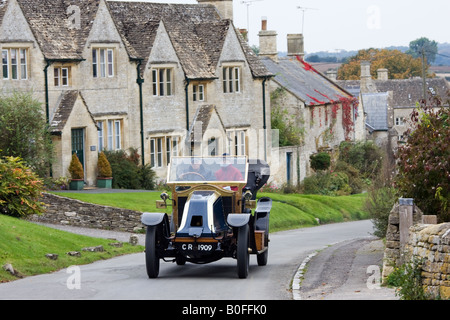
[(125, 277)]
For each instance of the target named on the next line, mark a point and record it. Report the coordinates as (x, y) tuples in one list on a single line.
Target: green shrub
[(76, 168), (379, 204), (365, 156), (24, 131), (103, 166), (409, 280), (327, 183), (320, 161), (20, 188), (127, 173)]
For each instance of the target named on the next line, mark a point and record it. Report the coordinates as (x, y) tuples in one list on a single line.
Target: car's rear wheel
[(242, 251), (151, 256)]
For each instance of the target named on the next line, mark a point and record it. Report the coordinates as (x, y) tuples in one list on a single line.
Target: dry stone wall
[(62, 210)]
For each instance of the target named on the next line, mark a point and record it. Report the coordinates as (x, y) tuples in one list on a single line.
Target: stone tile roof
[(196, 31), (203, 115), (64, 110), (376, 107), (306, 83), (48, 20)]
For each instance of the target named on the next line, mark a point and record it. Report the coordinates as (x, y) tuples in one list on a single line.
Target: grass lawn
[(24, 245), (289, 211)]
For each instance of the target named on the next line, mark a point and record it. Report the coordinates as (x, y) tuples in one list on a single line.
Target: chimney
[(267, 41), (295, 45), (367, 85), (332, 74), (224, 7), (383, 74)]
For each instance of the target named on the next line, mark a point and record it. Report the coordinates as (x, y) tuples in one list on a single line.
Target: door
[(78, 144), (289, 167)]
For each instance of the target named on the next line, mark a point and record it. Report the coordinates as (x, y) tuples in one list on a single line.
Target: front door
[(78, 144)]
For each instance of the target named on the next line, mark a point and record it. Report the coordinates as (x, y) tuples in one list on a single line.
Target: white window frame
[(117, 135), (198, 92), (236, 144), (101, 143), (15, 63), (58, 76), (110, 134), (163, 149), (231, 79), (399, 121), (163, 82), (103, 63)]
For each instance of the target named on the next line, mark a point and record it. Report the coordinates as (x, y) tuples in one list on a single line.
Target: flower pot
[(104, 183), (76, 184)]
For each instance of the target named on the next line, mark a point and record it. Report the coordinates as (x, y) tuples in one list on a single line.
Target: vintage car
[(212, 200)]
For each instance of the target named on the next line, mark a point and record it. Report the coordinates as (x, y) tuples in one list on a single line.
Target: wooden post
[(406, 219)]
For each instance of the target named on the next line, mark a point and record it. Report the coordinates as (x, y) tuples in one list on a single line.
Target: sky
[(334, 25)]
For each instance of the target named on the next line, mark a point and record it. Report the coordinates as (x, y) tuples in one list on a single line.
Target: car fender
[(152, 218), (238, 219)]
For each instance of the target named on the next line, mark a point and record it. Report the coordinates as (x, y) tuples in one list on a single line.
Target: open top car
[(212, 200)]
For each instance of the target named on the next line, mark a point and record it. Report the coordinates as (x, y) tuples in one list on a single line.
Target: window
[(237, 142), (113, 138), (61, 76), (231, 79), (102, 63), (15, 64), (399, 121), (162, 150), (199, 92), (213, 147), (162, 81)]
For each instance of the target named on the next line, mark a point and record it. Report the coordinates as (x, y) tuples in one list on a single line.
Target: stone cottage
[(326, 113), (119, 75)]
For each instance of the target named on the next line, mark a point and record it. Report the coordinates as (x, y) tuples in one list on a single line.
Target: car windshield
[(208, 169)]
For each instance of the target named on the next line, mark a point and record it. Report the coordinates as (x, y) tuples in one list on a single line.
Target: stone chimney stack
[(295, 45), (224, 7), (331, 74), (383, 74), (367, 85), (267, 41)]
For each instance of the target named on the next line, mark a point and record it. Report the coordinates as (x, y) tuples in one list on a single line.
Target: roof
[(203, 116), (305, 82), (48, 20), (406, 92), (376, 106), (64, 110)]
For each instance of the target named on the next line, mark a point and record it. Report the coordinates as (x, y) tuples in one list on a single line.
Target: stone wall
[(432, 244), (61, 210), (425, 240)]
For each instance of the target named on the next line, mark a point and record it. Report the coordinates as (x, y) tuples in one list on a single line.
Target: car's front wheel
[(151, 256), (242, 251)]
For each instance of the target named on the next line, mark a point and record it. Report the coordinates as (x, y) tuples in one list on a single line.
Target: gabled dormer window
[(162, 81), (231, 79), (15, 64)]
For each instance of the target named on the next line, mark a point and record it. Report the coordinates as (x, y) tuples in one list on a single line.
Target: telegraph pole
[(424, 83)]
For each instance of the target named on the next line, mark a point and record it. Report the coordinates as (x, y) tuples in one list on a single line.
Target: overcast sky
[(331, 25)]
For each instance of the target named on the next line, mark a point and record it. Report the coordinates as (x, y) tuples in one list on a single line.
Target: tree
[(399, 64), (417, 47), (24, 131), (424, 161)]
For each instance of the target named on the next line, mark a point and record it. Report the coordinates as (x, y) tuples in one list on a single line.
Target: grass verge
[(24, 245)]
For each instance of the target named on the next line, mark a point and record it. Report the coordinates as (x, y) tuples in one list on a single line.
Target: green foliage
[(103, 166), (327, 183), (320, 161), (20, 188), (288, 126), (76, 168), (127, 173), (24, 131), (423, 162), (379, 204), (417, 47), (365, 156), (409, 279)]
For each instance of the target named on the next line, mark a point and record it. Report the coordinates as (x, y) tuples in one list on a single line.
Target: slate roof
[(48, 22), (305, 82), (406, 92), (376, 106), (203, 115)]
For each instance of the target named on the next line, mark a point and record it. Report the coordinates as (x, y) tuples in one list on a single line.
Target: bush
[(76, 168), (320, 161), (423, 162), (103, 166), (327, 183), (409, 279), (24, 131), (20, 188), (379, 204), (127, 173), (365, 156)]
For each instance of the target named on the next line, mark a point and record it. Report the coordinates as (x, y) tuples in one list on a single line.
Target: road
[(125, 277)]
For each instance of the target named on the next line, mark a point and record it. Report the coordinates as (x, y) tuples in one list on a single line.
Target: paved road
[(125, 277)]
